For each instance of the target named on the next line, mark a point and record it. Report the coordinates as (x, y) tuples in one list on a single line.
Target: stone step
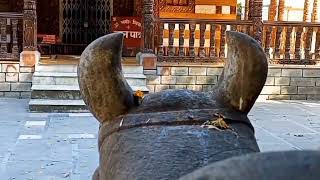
[(132, 69), (58, 78), (55, 92), (73, 68), (50, 106), (68, 68), (65, 92)]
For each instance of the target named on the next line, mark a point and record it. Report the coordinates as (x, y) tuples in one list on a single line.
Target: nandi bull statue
[(172, 133)]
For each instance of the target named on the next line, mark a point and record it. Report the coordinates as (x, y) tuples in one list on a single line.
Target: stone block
[(11, 68), (289, 90), (179, 71), (25, 95), (279, 97), (198, 71), (12, 77), (164, 71), (12, 94), (186, 80), (274, 72), (178, 86), (149, 61), (208, 87), (311, 73), (2, 77), (150, 72), (270, 81), (298, 97), (291, 73), (21, 87), (270, 90), (303, 82), (214, 71), (4, 86), (161, 87), (26, 69), (25, 77), (262, 98), (29, 58), (282, 81), (152, 80), (313, 97), (151, 88), (168, 79), (194, 87), (309, 90), (317, 81), (207, 80)]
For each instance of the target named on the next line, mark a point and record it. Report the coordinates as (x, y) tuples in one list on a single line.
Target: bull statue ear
[(245, 73), (102, 84)]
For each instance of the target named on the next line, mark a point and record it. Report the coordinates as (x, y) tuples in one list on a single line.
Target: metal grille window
[(83, 21)]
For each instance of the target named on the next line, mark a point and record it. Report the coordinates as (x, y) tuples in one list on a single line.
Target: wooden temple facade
[(173, 30)]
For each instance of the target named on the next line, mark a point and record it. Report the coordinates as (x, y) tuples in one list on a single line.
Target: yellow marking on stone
[(219, 123)]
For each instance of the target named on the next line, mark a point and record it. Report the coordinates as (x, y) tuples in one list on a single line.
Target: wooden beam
[(217, 2), (167, 15)]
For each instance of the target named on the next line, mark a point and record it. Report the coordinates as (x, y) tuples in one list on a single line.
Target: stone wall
[(284, 82), (15, 80)]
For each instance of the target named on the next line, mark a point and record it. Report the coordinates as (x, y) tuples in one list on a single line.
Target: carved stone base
[(149, 61), (29, 58)]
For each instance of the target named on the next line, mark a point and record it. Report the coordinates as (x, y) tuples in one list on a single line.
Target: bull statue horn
[(244, 74), (102, 84)]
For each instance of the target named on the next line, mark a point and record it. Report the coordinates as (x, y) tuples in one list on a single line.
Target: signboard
[(132, 29)]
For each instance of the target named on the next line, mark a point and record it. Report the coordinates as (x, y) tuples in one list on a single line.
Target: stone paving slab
[(63, 146)]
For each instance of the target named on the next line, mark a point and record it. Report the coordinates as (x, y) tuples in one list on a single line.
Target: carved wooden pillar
[(281, 10), (272, 10), (255, 15), (29, 56), (315, 12), (306, 10), (29, 25), (246, 10), (148, 26)]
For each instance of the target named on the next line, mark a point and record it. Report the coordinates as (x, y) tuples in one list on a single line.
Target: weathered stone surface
[(291, 165), (164, 137)]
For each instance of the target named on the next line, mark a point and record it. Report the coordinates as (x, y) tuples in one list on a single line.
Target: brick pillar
[(30, 55), (255, 15), (315, 11), (306, 11)]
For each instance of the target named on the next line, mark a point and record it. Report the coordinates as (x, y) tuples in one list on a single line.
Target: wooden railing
[(10, 35), (181, 40), (292, 42)]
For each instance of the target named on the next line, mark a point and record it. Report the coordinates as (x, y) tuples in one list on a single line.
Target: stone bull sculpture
[(174, 132)]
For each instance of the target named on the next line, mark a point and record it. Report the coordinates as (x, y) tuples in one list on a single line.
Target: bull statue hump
[(171, 133)]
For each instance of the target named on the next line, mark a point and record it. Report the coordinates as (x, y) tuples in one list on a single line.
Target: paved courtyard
[(64, 146)]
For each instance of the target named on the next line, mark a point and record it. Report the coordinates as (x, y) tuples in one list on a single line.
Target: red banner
[(132, 29)]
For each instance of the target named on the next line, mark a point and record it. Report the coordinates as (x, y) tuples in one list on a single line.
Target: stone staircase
[(55, 87)]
